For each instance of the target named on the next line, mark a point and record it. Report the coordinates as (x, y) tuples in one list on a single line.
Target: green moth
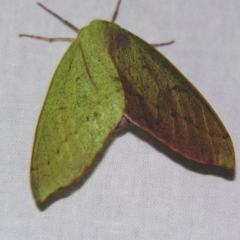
[(106, 76)]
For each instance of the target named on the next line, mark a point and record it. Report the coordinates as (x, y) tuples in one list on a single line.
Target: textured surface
[(163, 102), (139, 190), (84, 104)]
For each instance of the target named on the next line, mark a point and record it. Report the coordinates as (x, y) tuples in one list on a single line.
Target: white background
[(140, 189)]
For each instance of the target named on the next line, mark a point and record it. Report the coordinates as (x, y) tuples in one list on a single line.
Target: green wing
[(163, 102), (84, 103)]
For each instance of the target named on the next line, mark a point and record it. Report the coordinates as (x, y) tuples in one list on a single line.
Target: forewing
[(163, 102), (82, 107)]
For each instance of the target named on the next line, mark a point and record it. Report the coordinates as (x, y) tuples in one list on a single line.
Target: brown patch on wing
[(118, 41)]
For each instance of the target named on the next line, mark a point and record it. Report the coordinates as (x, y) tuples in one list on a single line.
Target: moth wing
[(160, 100), (82, 107)]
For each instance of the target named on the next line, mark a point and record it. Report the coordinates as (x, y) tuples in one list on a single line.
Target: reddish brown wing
[(160, 100)]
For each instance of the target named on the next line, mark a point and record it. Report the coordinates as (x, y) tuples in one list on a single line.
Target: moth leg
[(162, 44), (122, 124)]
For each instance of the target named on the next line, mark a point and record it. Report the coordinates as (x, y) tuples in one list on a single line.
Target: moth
[(109, 76)]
